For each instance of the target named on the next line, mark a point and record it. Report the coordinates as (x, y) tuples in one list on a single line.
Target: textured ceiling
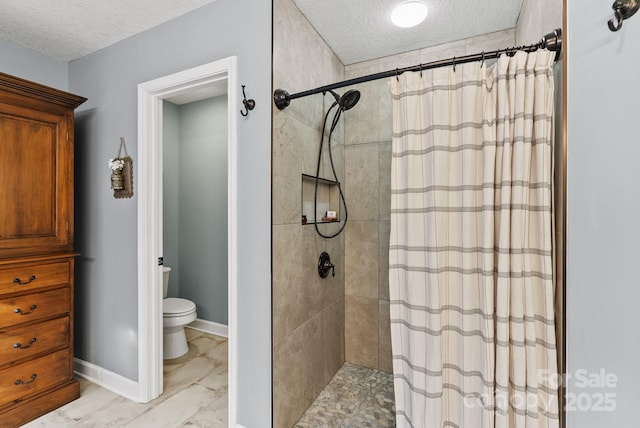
[(359, 30), (69, 29)]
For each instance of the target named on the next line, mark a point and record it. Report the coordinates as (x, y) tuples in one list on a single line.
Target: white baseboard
[(107, 379), (210, 327)]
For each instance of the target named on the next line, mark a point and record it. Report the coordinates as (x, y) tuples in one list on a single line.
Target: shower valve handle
[(324, 265)]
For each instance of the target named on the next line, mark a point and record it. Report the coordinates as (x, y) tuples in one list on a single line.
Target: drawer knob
[(22, 382), (19, 281), (21, 312), (21, 346)]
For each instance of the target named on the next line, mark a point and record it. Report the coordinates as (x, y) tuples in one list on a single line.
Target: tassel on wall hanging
[(122, 173)]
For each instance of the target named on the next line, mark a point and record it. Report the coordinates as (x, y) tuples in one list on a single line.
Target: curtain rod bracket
[(553, 42), (281, 99)]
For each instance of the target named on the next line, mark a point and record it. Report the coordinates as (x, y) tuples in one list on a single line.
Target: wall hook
[(248, 104), (622, 9)]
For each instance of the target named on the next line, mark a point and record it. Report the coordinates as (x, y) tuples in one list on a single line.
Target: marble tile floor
[(195, 395), (356, 397)]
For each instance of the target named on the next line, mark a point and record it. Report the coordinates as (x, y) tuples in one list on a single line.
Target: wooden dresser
[(36, 250)]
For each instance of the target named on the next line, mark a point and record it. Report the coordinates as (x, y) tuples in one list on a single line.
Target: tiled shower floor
[(355, 397)]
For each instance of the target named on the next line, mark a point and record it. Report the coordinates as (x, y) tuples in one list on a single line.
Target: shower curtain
[(471, 273)]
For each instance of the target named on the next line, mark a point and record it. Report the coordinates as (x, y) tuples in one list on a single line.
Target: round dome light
[(409, 14)]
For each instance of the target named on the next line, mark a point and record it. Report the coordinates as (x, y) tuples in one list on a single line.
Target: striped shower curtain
[(471, 280)]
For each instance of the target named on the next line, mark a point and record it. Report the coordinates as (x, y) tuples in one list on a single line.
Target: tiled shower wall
[(368, 133), (318, 323), (308, 312), (537, 18)]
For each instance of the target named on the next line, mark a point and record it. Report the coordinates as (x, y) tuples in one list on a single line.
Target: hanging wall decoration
[(122, 173)]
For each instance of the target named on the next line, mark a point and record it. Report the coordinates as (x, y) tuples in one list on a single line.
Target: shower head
[(348, 100)]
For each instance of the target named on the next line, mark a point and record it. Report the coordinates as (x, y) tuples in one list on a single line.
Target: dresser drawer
[(34, 376), (31, 307), (28, 277), (22, 342)]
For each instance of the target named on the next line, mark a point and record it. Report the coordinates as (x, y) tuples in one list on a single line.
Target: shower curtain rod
[(551, 41)]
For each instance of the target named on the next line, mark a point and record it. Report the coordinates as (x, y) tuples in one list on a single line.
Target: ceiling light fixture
[(409, 14)]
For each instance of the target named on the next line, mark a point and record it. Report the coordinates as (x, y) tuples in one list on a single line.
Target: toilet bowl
[(176, 313)]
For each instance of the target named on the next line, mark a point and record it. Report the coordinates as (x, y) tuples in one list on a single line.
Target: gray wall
[(31, 65), (203, 207), (107, 317), (195, 205), (603, 229), (170, 193)]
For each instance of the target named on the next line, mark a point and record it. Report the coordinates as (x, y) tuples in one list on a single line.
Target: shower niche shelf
[(328, 199)]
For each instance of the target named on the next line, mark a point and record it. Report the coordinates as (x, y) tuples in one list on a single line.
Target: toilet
[(176, 313)]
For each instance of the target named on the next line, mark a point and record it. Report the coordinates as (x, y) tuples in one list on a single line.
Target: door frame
[(150, 97)]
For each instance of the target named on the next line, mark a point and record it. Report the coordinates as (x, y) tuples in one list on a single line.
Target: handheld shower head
[(345, 102), (348, 100)]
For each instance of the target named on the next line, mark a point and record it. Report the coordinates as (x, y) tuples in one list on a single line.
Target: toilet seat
[(176, 307)]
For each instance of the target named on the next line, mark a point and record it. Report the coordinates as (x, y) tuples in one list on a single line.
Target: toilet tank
[(165, 280)]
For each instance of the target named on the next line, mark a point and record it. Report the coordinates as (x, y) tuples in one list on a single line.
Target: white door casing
[(149, 178)]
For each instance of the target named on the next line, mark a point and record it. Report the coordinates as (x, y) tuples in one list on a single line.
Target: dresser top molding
[(40, 92)]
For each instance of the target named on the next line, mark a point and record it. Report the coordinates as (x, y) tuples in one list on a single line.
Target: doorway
[(217, 76)]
